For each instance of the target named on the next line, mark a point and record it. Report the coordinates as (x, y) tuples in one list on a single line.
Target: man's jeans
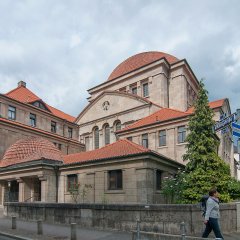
[(212, 225)]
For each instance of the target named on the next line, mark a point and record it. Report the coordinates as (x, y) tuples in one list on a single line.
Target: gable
[(109, 104)]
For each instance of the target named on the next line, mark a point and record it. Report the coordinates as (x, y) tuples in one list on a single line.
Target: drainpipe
[(56, 170)]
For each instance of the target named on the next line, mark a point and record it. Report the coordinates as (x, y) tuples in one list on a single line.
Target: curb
[(14, 236)]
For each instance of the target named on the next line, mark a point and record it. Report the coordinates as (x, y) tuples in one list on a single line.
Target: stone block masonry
[(153, 218)]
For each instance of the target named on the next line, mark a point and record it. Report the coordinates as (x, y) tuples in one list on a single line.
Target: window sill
[(114, 192), (180, 144), (160, 147)]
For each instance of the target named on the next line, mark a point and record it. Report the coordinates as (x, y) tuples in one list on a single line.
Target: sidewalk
[(58, 232), (62, 232)]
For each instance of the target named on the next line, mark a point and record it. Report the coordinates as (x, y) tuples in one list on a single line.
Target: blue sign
[(234, 125), (224, 122), (236, 134)]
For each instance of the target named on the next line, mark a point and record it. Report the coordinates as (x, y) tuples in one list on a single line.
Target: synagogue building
[(129, 137)]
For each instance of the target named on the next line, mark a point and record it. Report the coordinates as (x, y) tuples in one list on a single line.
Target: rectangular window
[(11, 113), (162, 138), (134, 90), (158, 180), (129, 139), (122, 89), (115, 180), (33, 120), (72, 181), (70, 132), (145, 90), (181, 134), (145, 140), (60, 146), (53, 126)]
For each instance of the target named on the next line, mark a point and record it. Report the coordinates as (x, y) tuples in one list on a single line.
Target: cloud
[(63, 48)]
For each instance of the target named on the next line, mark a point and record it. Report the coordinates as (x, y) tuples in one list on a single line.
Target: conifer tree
[(205, 169)]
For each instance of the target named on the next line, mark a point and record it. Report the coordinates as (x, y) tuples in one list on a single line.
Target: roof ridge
[(175, 110), (19, 87), (12, 90), (59, 110)]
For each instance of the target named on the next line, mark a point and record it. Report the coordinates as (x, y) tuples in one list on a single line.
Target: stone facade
[(138, 179), (114, 106), (172, 86), (20, 127)]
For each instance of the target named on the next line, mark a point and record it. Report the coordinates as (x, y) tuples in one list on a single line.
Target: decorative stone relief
[(106, 105)]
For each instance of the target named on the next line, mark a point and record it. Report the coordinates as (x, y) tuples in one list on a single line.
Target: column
[(20, 190), (43, 188)]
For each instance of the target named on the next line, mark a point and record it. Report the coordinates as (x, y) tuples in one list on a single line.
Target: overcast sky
[(62, 48)]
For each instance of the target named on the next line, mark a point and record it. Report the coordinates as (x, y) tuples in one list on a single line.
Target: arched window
[(96, 138), (118, 126), (107, 134)]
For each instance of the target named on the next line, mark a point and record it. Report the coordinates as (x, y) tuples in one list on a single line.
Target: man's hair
[(212, 191)]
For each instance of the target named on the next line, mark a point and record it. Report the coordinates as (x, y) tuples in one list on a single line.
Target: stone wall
[(153, 218)]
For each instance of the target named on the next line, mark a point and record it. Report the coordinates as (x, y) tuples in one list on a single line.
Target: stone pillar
[(238, 216), (43, 188), (21, 190), (145, 185), (3, 189)]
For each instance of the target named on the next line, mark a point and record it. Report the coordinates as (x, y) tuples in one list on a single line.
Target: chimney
[(22, 84)]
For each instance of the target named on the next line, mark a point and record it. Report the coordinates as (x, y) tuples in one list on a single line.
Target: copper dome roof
[(30, 149), (139, 60)]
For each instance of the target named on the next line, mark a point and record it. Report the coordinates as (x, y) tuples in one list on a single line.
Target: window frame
[(117, 124), (75, 180), (145, 142), (130, 138), (106, 134), (145, 91), (87, 143), (12, 112), (181, 134), (53, 126), (96, 138), (162, 138), (33, 119), (115, 179), (134, 90), (158, 175), (70, 132)]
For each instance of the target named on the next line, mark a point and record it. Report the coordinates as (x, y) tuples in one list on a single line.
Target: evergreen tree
[(205, 169)]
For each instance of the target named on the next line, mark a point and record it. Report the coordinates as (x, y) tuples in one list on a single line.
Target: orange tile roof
[(165, 114), (120, 148), (138, 61), (36, 129), (30, 149), (214, 104), (24, 95), (161, 115)]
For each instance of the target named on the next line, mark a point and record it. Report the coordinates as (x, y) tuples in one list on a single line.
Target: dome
[(139, 60), (30, 149)]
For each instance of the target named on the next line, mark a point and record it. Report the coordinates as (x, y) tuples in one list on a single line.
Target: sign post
[(224, 122)]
